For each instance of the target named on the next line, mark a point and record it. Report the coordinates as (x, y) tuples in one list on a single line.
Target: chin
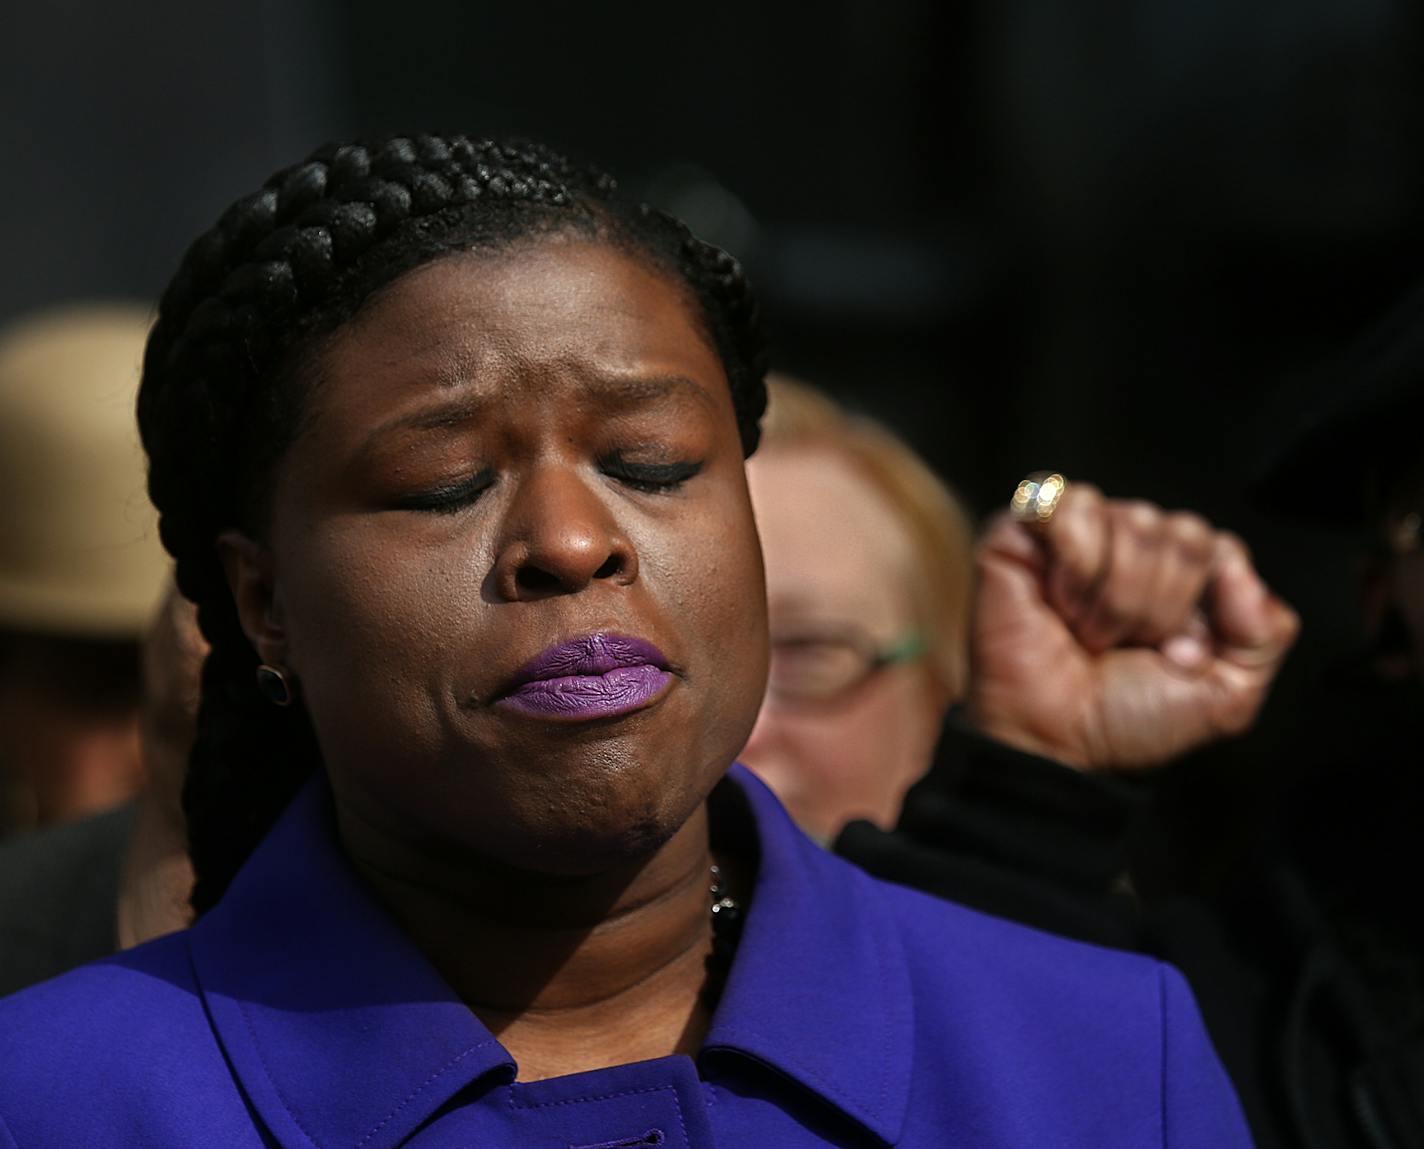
[(594, 820), (582, 850), (626, 842)]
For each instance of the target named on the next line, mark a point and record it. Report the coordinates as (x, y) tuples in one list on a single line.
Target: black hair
[(223, 388)]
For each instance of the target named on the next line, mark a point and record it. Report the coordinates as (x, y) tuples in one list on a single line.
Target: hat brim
[(122, 610)]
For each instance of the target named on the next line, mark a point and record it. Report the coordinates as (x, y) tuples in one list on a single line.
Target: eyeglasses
[(821, 667)]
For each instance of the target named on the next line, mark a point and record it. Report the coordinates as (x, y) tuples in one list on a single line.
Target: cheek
[(367, 614), (707, 577), (853, 742), (861, 745), (892, 723), (730, 601), (808, 748)]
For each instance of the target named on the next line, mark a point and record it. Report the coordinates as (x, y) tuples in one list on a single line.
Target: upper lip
[(589, 654)]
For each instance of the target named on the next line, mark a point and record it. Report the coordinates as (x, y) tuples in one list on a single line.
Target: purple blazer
[(856, 1013)]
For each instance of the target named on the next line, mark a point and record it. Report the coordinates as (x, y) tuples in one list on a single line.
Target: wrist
[(1019, 734)]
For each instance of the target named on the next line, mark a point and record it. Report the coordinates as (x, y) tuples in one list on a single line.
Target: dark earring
[(275, 686)]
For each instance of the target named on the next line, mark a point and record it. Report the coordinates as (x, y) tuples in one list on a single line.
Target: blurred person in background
[(81, 567), (1351, 819), (87, 711), (1309, 963), (79, 890), (868, 561)]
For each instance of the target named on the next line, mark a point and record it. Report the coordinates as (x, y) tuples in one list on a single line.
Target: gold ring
[(1038, 496)]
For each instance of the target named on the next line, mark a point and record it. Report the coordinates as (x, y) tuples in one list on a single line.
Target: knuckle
[(1192, 533), (995, 532), (1229, 542), (986, 560), (1139, 517), (1080, 511), (1074, 548), (1290, 623), (996, 523)]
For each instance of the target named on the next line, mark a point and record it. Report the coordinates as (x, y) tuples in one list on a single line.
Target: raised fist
[(1117, 636)]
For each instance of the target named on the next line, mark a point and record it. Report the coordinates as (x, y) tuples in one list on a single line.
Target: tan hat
[(79, 549)]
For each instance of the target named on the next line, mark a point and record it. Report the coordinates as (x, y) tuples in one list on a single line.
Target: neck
[(157, 877), (570, 973)]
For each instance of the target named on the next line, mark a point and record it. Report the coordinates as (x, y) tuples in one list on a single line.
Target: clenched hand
[(1118, 636)]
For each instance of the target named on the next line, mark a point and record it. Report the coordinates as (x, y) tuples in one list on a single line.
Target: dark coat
[(59, 893), (1307, 968)]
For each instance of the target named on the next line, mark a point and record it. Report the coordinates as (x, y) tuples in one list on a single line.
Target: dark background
[(1116, 239)]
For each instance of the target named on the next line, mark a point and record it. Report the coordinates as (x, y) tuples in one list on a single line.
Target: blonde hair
[(939, 527)]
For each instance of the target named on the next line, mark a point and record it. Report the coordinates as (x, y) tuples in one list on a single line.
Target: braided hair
[(223, 394)]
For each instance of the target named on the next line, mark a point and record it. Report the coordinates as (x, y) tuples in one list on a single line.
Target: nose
[(560, 537)]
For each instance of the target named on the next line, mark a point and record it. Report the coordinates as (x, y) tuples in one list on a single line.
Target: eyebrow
[(647, 389), (611, 393)]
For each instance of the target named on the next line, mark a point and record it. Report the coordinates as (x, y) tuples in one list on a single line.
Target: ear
[(249, 568)]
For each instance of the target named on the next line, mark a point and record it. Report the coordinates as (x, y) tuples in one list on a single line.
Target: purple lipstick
[(599, 676)]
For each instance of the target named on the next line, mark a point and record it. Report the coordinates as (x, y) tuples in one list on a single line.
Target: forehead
[(541, 310), (833, 545)]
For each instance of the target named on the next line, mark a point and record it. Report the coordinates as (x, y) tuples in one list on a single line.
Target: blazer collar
[(339, 1030), (820, 987), (343, 1035)]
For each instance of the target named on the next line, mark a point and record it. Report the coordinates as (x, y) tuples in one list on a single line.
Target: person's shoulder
[(1002, 979), (997, 1004), (962, 939), (119, 990), (58, 892), (118, 1045), (65, 857)]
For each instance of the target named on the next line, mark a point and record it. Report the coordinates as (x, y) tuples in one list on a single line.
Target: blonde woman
[(869, 574)]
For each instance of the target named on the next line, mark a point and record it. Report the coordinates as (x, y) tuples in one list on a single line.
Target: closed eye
[(651, 478), (448, 499)]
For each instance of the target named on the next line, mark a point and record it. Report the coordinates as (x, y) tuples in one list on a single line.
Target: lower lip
[(585, 696)]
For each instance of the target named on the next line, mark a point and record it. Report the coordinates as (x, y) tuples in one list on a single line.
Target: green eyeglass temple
[(905, 650)]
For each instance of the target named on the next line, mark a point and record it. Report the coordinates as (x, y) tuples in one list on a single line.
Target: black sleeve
[(1015, 835)]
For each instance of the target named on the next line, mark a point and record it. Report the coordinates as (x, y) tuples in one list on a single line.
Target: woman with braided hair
[(447, 441)]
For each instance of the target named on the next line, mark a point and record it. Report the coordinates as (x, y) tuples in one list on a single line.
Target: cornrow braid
[(222, 395)]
